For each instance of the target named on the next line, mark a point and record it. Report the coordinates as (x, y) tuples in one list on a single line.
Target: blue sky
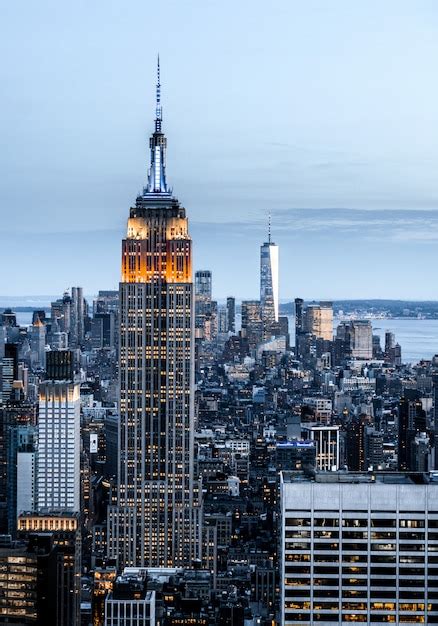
[(324, 113)]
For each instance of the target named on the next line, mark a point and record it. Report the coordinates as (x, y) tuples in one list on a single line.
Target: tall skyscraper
[(299, 324), (269, 280), (231, 314), (58, 465), (154, 523), (203, 304)]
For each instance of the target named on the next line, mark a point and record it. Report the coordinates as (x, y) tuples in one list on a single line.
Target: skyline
[(272, 125)]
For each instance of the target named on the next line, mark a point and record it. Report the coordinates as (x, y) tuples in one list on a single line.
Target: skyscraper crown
[(157, 183)]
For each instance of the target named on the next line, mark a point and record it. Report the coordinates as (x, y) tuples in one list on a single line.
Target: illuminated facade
[(66, 534), (154, 522), (269, 281), (359, 547), (58, 459)]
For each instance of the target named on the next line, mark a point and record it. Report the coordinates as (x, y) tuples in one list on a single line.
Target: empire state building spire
[(157, 183)]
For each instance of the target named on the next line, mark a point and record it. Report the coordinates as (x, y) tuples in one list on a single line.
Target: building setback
[(153, 523)]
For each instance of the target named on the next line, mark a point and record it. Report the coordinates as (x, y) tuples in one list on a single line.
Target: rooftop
[(342, 476)]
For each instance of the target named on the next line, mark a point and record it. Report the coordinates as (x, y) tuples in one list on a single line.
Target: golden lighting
[(157, 249)]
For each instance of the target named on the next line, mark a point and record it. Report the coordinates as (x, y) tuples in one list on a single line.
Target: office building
[(155, 522), (130, 603), (269, 303), (295, 455), (359, 547), (21, 472), (231, 315), (29, 581), (38, 344), (318, 320), (8, 371), (327, 445), (58, 465), (77, 313), (65, 531), (252, 323), (203, 304), (411, 422), (356, 337), (299, 325)]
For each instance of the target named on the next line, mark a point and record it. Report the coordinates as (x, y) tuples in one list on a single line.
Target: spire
[(158, 144), (269, 227), (158, 109)]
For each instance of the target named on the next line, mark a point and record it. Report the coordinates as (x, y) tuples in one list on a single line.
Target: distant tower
[(203, 307), (153, 524), (38, 344), (231, 315), (269, 280)]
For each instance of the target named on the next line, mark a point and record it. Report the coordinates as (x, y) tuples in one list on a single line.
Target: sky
[(322, 113)]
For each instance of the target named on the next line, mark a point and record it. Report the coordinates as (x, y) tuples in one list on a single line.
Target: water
[(24, 318), (418, 338)]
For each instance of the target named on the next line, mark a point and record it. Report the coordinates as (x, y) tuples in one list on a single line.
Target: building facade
[(155, 522), (269, 303), (359, 547), (58, 459)]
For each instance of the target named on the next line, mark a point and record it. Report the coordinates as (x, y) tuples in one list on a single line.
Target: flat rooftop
[(343, 476)]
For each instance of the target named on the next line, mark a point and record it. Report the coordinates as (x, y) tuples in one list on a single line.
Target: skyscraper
[(231, 315), (318, 320), (203, 304), (269, 280), (58, 471), (153, 524)]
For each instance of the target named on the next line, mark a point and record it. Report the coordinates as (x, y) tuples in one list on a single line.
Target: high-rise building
[(231, 315), (12, 415), (21, 493), (356, 337), (359, 547), (58, 465), (299, 325), (411, 421), (389, 343), (252, 324), (38, 344), (29, 581), (203, 304), (269, 303), (155, 521), (65, 531), (318, 320)]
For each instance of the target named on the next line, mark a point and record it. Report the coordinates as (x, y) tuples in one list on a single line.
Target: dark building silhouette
[(231, 315), (411, 420)]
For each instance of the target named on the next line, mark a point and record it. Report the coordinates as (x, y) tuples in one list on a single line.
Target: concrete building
[(359, 547)]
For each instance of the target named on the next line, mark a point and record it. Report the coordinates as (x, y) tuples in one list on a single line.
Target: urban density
[(168, 458)]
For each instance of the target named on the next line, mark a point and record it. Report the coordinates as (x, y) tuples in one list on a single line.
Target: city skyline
[(339, 172), (217, 422)]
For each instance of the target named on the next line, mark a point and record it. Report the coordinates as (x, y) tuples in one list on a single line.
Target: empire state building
[(155, 522)]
